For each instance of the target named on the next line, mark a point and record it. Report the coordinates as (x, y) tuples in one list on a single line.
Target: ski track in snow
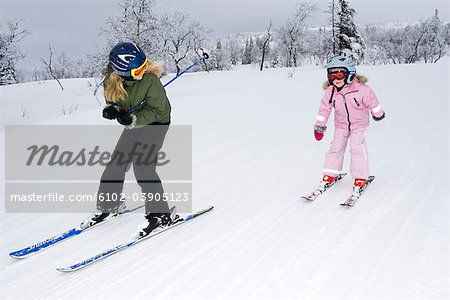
[(254, 155)]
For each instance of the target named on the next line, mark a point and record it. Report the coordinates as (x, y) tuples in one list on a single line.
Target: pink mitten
[(319, 131)]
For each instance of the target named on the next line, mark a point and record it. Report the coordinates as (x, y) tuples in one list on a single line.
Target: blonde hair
[(114, 90)]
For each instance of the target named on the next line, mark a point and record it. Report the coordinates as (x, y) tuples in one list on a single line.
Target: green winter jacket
[(157, 107)]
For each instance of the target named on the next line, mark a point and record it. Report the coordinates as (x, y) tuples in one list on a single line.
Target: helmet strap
[(350, 78)]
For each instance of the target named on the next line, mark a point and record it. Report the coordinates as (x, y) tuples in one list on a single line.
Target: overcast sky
[(73, 25)]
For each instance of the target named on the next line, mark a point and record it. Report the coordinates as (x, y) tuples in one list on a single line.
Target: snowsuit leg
[(146, 175), (359, 165), (334, 158), (130, 150), (111, 182)]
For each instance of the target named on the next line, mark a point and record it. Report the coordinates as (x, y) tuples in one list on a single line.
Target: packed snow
[(254, 155)]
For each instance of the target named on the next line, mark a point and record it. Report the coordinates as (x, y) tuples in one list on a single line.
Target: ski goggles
[(137, 73), (339, 75)]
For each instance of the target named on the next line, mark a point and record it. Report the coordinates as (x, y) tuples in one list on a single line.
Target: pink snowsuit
[(352, 106)]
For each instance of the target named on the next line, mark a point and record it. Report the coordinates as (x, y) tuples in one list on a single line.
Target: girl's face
[(338, 82)]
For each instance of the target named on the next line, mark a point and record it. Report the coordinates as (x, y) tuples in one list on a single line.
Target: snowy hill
[(254, 154)]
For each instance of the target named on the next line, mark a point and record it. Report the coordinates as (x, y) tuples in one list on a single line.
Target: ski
[(353, 198), (316, 193), (114, 250), (38, 247)]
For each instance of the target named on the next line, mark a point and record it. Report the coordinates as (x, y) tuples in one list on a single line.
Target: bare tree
[(68, 110), (265, 44), (333, 10), (49, 66), (25, 113)]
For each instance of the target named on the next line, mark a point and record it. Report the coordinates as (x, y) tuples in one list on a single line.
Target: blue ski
[(35, 248), (124, 246)]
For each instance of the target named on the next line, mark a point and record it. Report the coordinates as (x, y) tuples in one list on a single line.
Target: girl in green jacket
[(133, 80)]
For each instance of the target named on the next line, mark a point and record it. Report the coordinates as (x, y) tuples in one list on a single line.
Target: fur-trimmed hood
[(361, 79)]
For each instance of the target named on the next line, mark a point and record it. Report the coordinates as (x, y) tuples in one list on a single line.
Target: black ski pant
[(140, 147)]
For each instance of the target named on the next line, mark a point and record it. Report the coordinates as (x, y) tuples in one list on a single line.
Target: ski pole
[(204, 56)]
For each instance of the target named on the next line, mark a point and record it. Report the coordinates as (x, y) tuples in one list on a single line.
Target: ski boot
[(157, 221), (102, 216), (326, 182), (359, 186)]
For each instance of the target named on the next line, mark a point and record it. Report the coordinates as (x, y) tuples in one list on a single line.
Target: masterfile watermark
[(141, 154), (70, 168), (74, 152)]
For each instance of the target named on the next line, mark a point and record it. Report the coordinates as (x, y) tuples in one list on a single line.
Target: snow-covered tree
[(401, 45), (181, 37), (138, 23), (434, 44), (9, 51), (374, 53), (427, 41), (318, 46), (247, 56), (172, 37), (288, 43), (219, 57), (235, 50), (350, 42), (89, 66), (290, 34)]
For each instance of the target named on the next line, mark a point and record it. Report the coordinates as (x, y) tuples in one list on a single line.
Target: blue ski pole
[(204, 56)]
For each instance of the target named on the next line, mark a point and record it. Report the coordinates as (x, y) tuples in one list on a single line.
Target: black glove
[(110, 112), (380, 117), (124, 117)]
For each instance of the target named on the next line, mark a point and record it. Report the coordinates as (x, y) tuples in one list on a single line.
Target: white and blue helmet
[(343, 62), (124, 57)]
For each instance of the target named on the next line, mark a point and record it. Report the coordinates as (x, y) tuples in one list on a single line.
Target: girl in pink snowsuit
[(352, 101)]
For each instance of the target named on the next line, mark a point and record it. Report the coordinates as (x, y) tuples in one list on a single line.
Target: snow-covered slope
[(254, 155)]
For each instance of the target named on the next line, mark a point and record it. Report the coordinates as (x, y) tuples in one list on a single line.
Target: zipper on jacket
[(356, 101), (346, 107), (348, 114)]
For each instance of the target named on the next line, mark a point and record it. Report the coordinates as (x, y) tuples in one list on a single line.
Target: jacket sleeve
[(372, 103), (325, 108), (154, 108)]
